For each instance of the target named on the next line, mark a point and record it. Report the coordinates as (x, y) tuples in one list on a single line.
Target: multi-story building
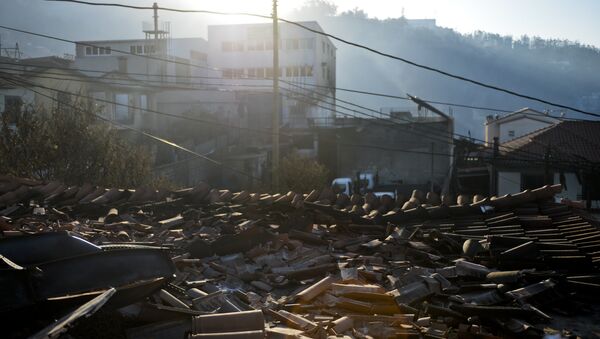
[(307, 60), (134, 72), (516, 124)]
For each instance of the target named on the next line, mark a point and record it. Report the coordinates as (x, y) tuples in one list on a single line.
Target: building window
[(122, 64), (143, 101), (150, 49), (139, 49), (132, 49), (309, 43), (95, 50), (122, 113), (288, 71), (63, 100), (256, 45), (309, 70), (260, 72), (233, 46), (107, 50), (198, 56), (531, 181), (88, 50), (511, 134), (12, 108), (233, 73)]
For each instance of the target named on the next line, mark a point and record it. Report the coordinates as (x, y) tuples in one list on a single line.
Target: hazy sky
[(565, 19), (573, 20)]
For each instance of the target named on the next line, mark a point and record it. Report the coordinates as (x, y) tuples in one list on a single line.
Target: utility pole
[(431, 179), (492, 166), (548, 180), (155, 8), (276, 104)]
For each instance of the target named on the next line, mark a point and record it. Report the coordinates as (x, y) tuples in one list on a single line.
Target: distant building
[(307, 67), (40, 83), (516, 124), (567, 152), (412, 146)]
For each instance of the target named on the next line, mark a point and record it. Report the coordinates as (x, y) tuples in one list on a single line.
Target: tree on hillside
[(301, 174), (71, 145)]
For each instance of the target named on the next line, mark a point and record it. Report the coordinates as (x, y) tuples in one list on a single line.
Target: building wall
[(305, 58), (509, 182), (517, 128), (572, 189), (26, 95), (515, 125), (411, 167), (149, 69)]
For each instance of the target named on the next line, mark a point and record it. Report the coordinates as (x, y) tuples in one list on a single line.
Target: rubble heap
[(91, 262)]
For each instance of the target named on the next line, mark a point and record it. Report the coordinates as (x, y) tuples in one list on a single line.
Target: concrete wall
[(411, 167), (572, 189), (519, 128), (520, 123), (26, 95), (298, 48), (509, 182), (55, 81)]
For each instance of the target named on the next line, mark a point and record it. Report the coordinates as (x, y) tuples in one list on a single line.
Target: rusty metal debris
[(208, 263)]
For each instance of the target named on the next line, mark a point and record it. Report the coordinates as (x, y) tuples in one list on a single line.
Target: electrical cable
[(354, 44)]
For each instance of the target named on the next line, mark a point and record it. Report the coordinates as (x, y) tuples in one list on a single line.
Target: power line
[(341, 144), (167, 60), (250, 78), (146, 134), (186, 118), (431, 136), (370, 49), (418, 130), (423, 133)]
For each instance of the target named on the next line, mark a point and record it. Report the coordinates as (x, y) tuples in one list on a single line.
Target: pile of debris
[(90, 262)]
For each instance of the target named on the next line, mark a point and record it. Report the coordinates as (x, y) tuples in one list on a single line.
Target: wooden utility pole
[(155, 8), (276, 104), (431, 179)]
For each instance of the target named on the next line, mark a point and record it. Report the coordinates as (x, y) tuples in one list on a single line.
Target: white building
[(134, 71), (307, 66), (565, 153), (515, 125)]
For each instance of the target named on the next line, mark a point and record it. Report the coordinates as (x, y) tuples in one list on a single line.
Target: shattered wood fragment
[(316, 289), (318, 264)]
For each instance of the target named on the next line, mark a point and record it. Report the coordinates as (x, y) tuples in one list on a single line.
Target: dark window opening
[(531, 181), (12, 108)]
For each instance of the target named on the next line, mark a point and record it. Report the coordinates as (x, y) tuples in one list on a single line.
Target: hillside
[(557, 70)]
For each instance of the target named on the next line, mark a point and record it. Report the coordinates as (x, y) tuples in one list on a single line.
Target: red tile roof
[(567, 141)]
